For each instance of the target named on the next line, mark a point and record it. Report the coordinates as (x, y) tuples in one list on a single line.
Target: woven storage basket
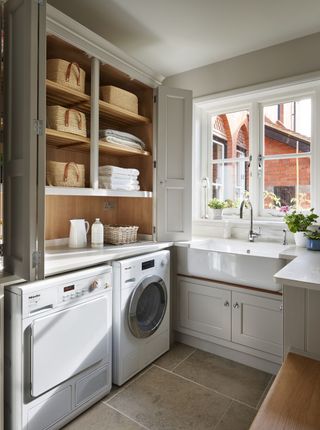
[(66, 73), (65, 174), (120, 234), (69, 120), (119, 97)]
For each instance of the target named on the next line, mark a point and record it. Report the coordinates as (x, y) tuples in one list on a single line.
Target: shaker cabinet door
[(174, 164), (24, 38), (204, 309), (257, 322)]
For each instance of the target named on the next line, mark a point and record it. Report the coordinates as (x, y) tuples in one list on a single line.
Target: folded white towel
[(119, 187), (107, 170), (117, 181), (119, 176), (122, 142), (123, 135)]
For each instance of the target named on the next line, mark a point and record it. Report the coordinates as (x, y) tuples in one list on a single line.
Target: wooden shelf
[(60, 94), (114, 149), (122, 116), (62, 139), (101, 192)]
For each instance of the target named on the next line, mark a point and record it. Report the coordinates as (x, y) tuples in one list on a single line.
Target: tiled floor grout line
[(264, 392), (127, 416), (182, 361), (134, 379), (223, 415), (207, 388)]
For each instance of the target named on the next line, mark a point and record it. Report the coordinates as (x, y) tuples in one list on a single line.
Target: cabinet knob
[(236, 306), (226, 304)]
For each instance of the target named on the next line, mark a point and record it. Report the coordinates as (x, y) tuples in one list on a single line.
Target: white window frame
[(253, 99)]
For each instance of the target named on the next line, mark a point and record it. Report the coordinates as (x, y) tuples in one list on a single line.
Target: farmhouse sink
[(233, 261)]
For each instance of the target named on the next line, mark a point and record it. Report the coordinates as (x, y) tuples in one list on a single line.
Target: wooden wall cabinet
[(34, 212), (218, 312)]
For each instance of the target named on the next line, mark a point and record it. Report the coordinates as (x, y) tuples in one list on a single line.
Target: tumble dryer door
[(147, 306), (67, 342)]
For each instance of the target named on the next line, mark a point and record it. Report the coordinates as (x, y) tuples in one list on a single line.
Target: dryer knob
[(95, 284), (163, 263)]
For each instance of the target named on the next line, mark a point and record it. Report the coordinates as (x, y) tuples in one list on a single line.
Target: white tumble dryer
[(141, 311), (58, 348)]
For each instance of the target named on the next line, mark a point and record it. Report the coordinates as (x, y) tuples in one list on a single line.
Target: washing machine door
[(147, 306)]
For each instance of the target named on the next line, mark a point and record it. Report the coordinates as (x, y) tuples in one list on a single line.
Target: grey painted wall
[(287, 59)]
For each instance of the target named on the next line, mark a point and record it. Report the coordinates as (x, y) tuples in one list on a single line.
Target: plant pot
[(300, 239), (216, 213), (231, 212), (313, 244)]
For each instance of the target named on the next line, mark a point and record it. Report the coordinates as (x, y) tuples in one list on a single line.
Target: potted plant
[(216, 205), (231, 207), (298, 224), (313, 240)]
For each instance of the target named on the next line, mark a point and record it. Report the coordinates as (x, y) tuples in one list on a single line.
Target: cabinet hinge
[(154, 99), (36, 258), (154, 229), (155, 164), (38, 126)]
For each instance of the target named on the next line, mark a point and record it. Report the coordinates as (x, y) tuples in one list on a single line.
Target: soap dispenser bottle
[(97, 234)]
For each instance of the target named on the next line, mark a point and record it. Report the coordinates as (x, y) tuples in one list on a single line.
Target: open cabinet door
[(24, 143), (174, 164)]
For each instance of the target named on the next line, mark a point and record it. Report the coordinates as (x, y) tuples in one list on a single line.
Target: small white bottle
[(97, 234)]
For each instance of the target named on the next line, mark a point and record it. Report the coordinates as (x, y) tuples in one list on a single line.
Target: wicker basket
[(120, 234), (66, 73), (65, 174), (120, 98), (69, 120)]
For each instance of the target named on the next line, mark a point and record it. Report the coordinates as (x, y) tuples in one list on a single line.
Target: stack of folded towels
[(117, 178), (122, 138)]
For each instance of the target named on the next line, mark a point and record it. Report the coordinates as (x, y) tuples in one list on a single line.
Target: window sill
[(266, 221)]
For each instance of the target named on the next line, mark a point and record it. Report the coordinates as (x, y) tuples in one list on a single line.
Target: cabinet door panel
[(312, 322), (204, 309), (23, 177), (257, 322), (174, 164)]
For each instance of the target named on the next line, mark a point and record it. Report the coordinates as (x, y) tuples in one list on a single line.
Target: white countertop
[(303, 270), (61, 259)]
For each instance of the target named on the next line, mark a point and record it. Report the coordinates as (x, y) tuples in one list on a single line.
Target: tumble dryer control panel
[(64, 292)]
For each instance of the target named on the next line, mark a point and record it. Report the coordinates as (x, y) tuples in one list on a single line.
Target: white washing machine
[(141, 313)]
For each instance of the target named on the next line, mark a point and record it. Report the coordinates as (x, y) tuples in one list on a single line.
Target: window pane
[(287, 183), (287, 128), (230, 180), (230, 133)]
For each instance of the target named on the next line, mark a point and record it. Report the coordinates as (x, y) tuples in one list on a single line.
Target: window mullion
[(254, 138)]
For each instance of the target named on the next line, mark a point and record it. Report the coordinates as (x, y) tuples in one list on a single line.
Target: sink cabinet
[(34, 212), (204, 309), (248, 320)]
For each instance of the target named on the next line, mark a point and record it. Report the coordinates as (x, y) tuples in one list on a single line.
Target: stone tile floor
[(185, 389)]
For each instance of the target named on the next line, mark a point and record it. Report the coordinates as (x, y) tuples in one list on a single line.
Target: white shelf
[(74, 191)]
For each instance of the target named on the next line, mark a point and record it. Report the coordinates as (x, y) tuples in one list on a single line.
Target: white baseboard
[(231, 354)]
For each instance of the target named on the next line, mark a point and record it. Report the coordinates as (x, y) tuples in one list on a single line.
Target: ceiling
[(172, 36)]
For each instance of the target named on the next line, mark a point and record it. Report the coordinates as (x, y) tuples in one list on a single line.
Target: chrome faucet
[(252, 235)]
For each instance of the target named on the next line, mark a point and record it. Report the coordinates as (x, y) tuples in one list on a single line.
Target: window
[(286, 155), (229, 155), (262, 145)]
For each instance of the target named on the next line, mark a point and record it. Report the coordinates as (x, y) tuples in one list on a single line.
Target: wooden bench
[(293, 401)]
